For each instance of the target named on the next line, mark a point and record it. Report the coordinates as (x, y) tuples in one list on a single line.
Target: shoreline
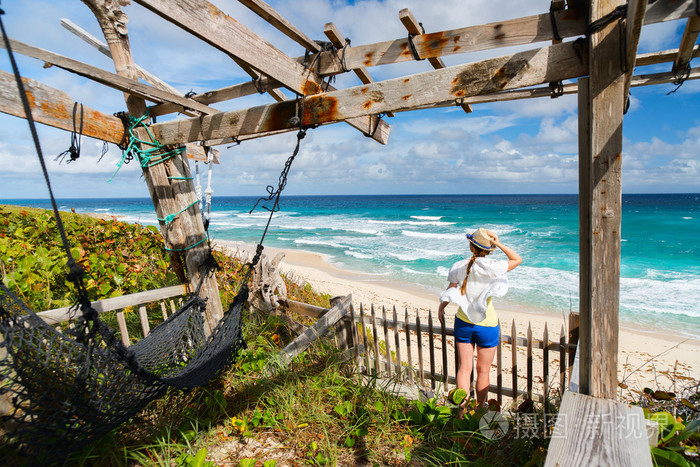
[(657, 360)]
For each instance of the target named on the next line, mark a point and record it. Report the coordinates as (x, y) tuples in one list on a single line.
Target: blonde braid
[(477, 253)]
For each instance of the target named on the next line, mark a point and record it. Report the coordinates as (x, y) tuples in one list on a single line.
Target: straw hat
[(481, 239)]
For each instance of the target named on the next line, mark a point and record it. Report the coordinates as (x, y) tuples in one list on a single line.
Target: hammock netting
[(62, 390)]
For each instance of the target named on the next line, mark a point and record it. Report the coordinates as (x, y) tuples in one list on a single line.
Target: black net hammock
[(60, 390)]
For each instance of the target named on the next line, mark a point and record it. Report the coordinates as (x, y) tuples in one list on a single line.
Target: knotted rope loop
[(75, 138)]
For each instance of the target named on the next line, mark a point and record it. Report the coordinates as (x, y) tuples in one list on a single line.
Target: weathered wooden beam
[(414, 28), (522, 69), (266, 12), (218, 95), (55, 108), (636, 10), (169, 183), (205, 21), (601, 105), (685, 50), (147, 76), (520, 31), (336, 38), (128, 85), (663, 56)]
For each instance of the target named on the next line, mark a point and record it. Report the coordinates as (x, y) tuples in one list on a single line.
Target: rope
[(149, 157), (74, 150), (553, 20), (206, 213), (171, 217), (186, 248), (681, 74), (374, 130), (342, 59), (557, 88)]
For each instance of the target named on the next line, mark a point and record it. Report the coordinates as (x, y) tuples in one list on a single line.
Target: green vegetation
[(317, 411)]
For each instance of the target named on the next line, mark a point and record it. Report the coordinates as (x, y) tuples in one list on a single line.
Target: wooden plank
[(443, 336), (663, 56), (514, 358), (529, 361), (123, 330), (414, 28), (316, 331), (520, 31), (355, 337), (522, 69), (572, 338), (365, 340), (545, 362), (636, 9), (336, 38), (397, 344), (600, 180), (562, 359), (107, 78), (306, 309), (419, 342), (143, 316), (387, 342), (685, 50), (164, 310), (59, 315), (499, 368), (55, 108), (431, 347), (104, 49), (267, 13), (375, 340), (208, 23), (593, 431), (408, 347)]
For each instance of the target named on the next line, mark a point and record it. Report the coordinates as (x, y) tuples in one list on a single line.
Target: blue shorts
[(483, 336)]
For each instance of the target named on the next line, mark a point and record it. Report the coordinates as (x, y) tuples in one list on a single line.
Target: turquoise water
[(415, 239)]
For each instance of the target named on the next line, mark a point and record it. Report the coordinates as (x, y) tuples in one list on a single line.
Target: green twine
[(171, 217), (179, 178), (147, 157), (185, 249)]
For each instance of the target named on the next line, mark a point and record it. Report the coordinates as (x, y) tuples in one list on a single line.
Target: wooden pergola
[(602, 60)]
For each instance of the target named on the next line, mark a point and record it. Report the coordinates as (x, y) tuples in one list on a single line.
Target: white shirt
[(487, 278)]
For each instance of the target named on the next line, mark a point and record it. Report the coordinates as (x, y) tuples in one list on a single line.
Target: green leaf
[(668, 458), (349, 441)]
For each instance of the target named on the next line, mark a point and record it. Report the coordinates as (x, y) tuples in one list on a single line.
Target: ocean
[(414, 239)]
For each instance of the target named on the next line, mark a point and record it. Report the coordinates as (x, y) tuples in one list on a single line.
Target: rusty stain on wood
[(368, 59), (407, 97), (311, 88), (435, 42), (320, 109)]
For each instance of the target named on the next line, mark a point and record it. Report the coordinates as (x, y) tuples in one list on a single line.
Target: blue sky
[(527, 146)]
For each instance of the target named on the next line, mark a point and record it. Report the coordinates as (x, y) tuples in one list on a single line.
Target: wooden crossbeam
[(147, 76), (523, 69), (685, 50), (636, 10), (663, 56), (336, 38), (519, 31), (205, 21), (266, 12), (414, 28), (55, 108), (107, 78)]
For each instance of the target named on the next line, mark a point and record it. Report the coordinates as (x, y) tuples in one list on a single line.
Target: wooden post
[(387, 342), (443, 335), (420, 350), (499, 368), (355, 338), (397, 342), (529, 361), (375, 340), (562, 359), (573, 337), (408, 346), (601, 105), (545, 361), (514, 356), (169, 195), (431, 346), (365, 340)]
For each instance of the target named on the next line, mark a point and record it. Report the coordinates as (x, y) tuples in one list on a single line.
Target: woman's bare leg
[(484, 358), (466, 363)]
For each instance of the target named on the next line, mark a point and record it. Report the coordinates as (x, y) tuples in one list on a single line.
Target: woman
[(473, 282)]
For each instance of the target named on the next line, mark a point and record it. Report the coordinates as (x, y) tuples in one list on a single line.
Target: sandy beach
[(646, 358)]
